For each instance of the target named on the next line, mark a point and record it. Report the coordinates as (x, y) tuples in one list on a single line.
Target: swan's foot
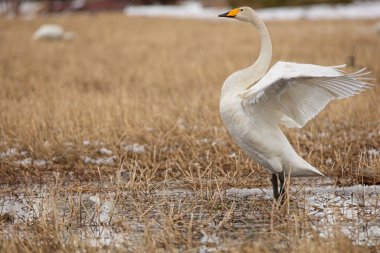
[(278, 195)]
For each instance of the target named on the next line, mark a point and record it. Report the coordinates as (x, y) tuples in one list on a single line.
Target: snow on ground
[(359, 10), (349, 208), (105, 151), (25, 208), (373, 153), (100, 161), (135, 148), (186, 10), (29, 161), (193, 9), (353, 210), (363, 10), (9, 153), (27, 8)]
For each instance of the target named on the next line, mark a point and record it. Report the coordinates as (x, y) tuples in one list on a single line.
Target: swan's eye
[(241, 9)]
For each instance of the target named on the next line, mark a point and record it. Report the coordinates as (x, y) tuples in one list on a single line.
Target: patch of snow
[(29, 161), (355, 189), (210, 242), (358, 10), (69, 144), (86, 143), (232, 155), (346, 207), (261, 193), (329, 161), (373, 153), (353, 210), (9, 153), (41, 163), (86, 159), (24, 153), (24, 208), (99, 161), (95, 199), (77, 4), (105, 151), (135, 148), (102, 207), (25, 162), (105, 210), (105, 236), (37, 205), (185, 10), (29, 8)]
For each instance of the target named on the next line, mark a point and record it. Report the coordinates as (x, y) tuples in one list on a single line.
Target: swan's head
[(242, 13)]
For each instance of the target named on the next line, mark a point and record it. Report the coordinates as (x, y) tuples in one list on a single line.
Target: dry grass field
[(113, 141)]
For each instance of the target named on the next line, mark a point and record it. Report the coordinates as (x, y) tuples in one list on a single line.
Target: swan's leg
[(281, 176), (275, 186)]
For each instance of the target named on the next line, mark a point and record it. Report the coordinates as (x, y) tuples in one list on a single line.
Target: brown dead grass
[(156, 82)]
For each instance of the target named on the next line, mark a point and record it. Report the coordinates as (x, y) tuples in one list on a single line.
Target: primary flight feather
[(254, 101)]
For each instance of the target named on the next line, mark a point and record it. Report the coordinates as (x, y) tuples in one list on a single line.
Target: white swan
[(52, 32), (254, 102)]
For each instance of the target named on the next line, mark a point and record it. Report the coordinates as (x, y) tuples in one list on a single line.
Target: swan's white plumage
[(301, 91), (254, 101), (52, 32)]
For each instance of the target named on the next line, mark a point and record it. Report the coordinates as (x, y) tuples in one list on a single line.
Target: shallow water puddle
[(123, 217), (355, 210)]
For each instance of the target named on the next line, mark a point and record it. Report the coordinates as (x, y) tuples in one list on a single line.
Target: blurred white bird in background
[(254, 102), (53, 32)]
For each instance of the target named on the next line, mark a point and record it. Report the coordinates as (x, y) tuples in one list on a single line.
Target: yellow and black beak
[(230, 14)]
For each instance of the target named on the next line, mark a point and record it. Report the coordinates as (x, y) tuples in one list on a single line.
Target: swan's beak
[(230, 14)]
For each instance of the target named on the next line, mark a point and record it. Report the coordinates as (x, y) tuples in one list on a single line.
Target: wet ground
[(212, 218)]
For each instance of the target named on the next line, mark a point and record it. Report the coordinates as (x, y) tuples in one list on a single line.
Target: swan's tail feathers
[(308, 171), (317, 172), (304, 169)]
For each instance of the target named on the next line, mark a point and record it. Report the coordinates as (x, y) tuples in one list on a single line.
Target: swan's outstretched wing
[(300, 91)]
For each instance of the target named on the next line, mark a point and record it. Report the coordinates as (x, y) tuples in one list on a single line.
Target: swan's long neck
[(242, 79)]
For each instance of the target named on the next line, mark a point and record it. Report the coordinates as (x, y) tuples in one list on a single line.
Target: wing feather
[(300, 91)]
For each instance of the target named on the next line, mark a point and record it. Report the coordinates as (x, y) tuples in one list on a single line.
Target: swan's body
[(52, 32), (254, 101)]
